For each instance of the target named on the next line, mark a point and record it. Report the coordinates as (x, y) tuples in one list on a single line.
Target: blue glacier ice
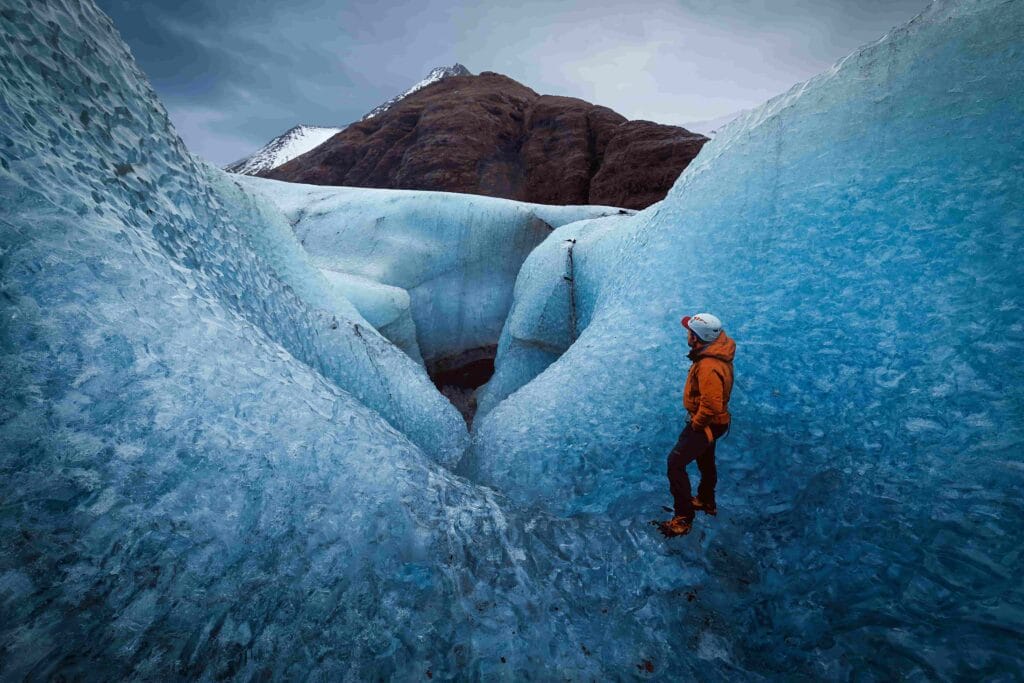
[(861, 237), (554, 299), (455, 255), (214, 467), (385, 307), (102, 151)]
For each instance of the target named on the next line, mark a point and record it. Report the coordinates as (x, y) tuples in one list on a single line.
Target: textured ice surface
[(554, 299), (197, 479), (861, 237), (456, 255), (387, 308)]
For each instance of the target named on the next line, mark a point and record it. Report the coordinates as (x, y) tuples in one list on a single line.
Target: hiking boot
[(706, 508), (677, 526)]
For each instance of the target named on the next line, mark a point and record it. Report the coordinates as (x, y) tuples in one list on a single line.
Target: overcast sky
[(235, 73)]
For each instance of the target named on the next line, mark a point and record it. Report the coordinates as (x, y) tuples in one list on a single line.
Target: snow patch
[(435, 75), (294, 142)]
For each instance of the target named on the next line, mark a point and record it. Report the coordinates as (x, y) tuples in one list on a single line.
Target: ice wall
[(196, 467), (861, 237), (114, 162), (554, 300), (456, 255), (198, 479), (892, 253)]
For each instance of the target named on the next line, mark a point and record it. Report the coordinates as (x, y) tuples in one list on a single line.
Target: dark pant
[(693, 445)]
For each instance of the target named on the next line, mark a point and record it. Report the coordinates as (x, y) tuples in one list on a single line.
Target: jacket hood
[(723, 348)]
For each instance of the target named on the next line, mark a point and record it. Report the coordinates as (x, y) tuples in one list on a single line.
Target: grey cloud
[(237, 72)]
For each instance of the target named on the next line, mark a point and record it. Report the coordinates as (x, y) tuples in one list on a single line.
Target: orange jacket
[(709, 384)]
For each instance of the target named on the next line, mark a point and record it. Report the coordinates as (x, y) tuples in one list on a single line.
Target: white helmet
[(706, 326)]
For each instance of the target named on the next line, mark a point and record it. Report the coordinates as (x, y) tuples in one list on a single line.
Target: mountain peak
[(436, 74), (491, 135), (300, 139)]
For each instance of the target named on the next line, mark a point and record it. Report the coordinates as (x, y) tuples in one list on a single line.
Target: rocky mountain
[(490, 135), (300, 139), (286, 146), (434, 76)]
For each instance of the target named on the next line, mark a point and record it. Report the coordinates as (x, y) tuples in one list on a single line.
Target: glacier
[(861, 236), (215, 467), (455, 256), (385, 307)]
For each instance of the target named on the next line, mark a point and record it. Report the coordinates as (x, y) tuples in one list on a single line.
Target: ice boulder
[(456, 255), (385, 307)]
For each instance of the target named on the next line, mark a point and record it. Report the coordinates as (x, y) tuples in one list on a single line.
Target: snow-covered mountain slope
[(435, 75), (300, 139), (285, 147)]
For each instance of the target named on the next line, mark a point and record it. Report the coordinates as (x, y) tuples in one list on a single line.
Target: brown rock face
[(492, 136), (641, 163)]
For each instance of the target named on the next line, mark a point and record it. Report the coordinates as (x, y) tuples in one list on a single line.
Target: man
[(706, 399)]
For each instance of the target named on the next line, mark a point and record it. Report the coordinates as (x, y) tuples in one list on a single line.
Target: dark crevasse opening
[(458, 377)]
